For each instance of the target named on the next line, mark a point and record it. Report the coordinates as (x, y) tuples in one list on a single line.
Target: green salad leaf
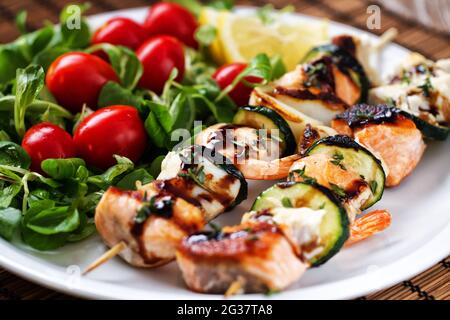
[(36, 108), (158, 124), (192, 5), (129, 181), (54, 220), (86, 229), (206, 34), (7, 194), (21, 22), (110, 176), (260, 66), (113, 93), (155, 167), (9, 222), (62, 168), (124, 61), (38, 240), (29, 82), (4, 136), (196, 6), (11, 59), (74, 29), (48, 55), (12, 154)]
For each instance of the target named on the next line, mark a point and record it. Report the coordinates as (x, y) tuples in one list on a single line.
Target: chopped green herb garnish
[(265, 14), (287, 202), (206, 34), (276, 137), (406, 77), (301, 173), (195, 174), (338, 190), (337, 160), (141, 215), (215, 227), (272, 292), (268, 13), (161, 206), (391, 102), (426, 87), (238, 143), (313, 71), (373, 186)]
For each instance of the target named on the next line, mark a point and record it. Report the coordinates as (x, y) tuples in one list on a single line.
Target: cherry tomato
[(120, 31), (76, 78), (172, 19), (47, 141), (109, 131), (159, 55), (226, 74)]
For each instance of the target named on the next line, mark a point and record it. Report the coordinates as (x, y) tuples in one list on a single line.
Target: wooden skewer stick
[(236, 287), (385, 38), (108, 255)]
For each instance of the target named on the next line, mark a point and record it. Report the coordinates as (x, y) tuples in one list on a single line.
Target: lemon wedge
[(241, 36)]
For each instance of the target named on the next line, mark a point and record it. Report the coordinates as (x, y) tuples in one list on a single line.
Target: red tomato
[(76, 78), (172, 19), (226, 74), (47, 141), (109, 131), (120, 31), (159, 55)]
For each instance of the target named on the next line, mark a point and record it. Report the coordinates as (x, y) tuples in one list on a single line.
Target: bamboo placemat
[(432, 284)]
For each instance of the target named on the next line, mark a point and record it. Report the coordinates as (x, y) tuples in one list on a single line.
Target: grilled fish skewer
[(268, 251), (273, 245), (153, 220)]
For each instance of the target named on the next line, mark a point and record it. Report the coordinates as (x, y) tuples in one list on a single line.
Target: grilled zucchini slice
[(431, 131), (356, 158), (260, 117), (334, 228)]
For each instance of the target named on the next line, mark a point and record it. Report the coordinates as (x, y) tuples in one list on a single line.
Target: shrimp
[(368, 225), (255, 156), (255, 169)]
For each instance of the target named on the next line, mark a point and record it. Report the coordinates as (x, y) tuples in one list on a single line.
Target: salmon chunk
[(258, 257), (151, 238), (389, 135)]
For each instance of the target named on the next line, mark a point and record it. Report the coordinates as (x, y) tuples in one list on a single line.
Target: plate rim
[(96, 289)]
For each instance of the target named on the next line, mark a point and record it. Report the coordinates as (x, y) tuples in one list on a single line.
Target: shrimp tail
[(368, 225), (254, 169)]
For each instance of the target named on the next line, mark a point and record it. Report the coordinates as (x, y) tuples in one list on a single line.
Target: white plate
[(418, 238)]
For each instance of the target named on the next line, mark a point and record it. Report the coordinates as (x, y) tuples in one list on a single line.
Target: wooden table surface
[(431, 284)]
